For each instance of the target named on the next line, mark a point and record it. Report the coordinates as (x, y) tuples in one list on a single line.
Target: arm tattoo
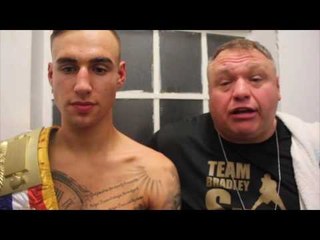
[(154, 187), (175, 202)]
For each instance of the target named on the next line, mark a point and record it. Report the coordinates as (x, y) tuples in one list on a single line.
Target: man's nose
[(241, 89), (83, 85)]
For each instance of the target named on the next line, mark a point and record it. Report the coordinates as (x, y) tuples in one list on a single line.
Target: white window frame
[(157, 95)]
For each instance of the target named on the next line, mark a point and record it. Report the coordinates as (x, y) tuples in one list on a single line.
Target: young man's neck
[(91, 139)]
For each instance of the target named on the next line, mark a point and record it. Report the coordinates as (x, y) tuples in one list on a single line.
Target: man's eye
[(255, 78), (225, 82), (68, 69), (100, 70)]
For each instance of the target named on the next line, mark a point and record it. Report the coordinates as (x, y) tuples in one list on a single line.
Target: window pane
[(180, 61), (215, 40), (137, 50), (175, 110), (134, 118)]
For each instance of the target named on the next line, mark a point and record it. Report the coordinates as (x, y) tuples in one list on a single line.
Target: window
[(166, 78)]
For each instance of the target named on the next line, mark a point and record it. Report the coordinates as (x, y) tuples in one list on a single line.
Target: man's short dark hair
[(56, 33), (242, 43)]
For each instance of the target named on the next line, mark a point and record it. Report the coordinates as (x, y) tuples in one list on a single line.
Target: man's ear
[(278, 87), (122, 75), (50, 73)]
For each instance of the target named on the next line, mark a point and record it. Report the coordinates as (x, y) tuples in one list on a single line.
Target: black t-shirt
[(209, 182)]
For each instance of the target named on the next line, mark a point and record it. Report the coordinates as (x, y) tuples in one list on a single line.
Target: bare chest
[(116, 191), (99, 182)]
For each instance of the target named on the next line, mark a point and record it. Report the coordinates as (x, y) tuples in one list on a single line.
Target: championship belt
[(19, 168)]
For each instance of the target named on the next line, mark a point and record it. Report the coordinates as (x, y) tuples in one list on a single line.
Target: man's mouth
[(242, 110)]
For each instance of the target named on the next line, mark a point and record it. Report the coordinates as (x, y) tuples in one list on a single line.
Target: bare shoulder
[(146, 155), (159, 177), (152, 160)]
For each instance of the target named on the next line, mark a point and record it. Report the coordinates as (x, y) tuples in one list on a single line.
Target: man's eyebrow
[(66, 60), (101, 60), (92, 61), (223, 71)]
